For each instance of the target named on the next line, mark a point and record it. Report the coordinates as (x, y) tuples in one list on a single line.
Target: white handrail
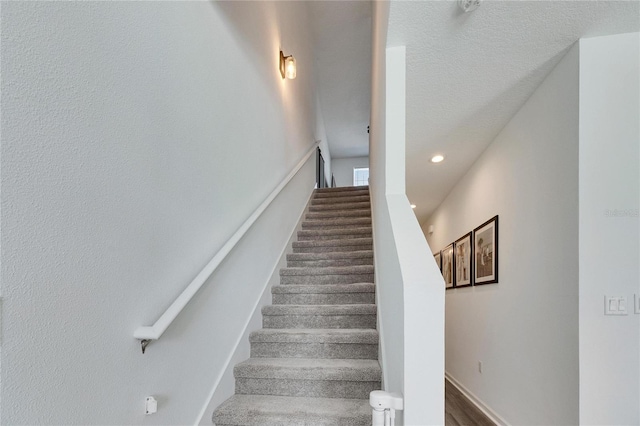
[(155, 331)]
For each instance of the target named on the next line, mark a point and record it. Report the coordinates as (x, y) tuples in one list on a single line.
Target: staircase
[(316, 359)]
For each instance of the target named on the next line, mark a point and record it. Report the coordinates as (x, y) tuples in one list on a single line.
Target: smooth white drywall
[(392, 363), (410, 291), (609, 253), (525, 328), (343, 169), (136, 138)]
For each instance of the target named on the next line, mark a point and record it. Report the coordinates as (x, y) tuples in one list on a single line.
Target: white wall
[(136, 138), (409, 288), (609, 253), (525, 328), (343, 169)]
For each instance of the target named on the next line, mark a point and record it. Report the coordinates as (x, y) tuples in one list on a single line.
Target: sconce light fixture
[(287, 66)]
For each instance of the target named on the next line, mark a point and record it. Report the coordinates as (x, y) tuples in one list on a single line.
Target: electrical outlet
[(480, 367)]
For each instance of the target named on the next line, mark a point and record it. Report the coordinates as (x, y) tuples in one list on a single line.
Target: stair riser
[(329, 249), (340, 189), (330, 263), (304, 237), (342, 221), (339, 206), (277, 419), (327, 279), (326, 226), (339, 200), (314, 350), (358, 193), (306, 388), (324, 299), (319, 321), (337, 214)]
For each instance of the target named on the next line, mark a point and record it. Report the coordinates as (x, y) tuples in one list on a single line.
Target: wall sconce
[(287, 66)]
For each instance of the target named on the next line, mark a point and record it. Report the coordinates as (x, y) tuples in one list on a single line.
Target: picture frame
[(438, 259), (462, 250), (485, 252), (448, 266)]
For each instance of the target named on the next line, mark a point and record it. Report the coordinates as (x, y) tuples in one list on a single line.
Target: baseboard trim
[(256, 306), (486, 410)]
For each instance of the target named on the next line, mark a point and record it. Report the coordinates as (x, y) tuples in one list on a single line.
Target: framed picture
[(462, 251), (485, 245), (448, 266), (437, 258)]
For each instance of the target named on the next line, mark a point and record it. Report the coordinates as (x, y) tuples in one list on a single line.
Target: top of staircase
[(343, 189)]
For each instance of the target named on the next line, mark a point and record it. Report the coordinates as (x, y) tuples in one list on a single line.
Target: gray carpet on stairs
[(315, 360)]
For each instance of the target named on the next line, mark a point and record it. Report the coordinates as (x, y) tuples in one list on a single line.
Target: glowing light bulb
[(413, 206), (437, 158), (290, 66)]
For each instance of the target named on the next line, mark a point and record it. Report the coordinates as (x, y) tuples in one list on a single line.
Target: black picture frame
[(438, 258), (485, 252), (463, 254), (448, 266)]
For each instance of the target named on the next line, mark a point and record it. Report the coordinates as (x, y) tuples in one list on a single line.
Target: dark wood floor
[(459, 411)]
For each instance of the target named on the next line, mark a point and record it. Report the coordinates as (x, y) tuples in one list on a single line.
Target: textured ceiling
[(342, 30), (468, 74)]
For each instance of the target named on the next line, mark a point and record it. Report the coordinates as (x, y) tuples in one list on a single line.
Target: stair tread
[(330, 243), (340, 194), (347, 231), (356, 197), (333, 214), (343, 189), (264, 410), (341, 206), (321, 335), (356, 370), (352, 221), (327, 270), (337, 255), (323, 288), (320, 310)]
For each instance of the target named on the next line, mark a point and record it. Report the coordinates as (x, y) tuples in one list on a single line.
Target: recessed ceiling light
[(437, 158), (413, 206)]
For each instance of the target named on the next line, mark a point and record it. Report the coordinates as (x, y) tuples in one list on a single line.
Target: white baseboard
[(256, 308), (491, 414)]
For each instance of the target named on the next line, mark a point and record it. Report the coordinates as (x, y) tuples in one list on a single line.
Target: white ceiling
[(468, 74), (342, 30)]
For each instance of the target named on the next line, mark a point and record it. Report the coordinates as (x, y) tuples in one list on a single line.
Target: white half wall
[(136, 138), (343, 169), (524, 329), (609, 243), (409, 287)]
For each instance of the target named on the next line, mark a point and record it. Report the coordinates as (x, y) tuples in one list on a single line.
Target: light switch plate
[(615, 305)]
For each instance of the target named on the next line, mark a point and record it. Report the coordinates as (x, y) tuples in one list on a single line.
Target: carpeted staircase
[(316, 359)]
